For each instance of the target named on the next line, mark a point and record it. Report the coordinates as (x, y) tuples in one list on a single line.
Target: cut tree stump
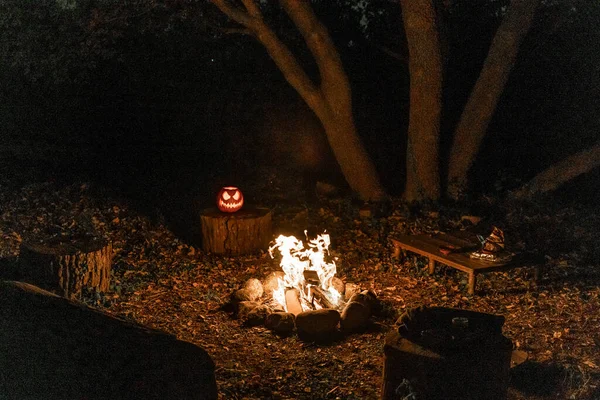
[(245, 231), (68, 264)]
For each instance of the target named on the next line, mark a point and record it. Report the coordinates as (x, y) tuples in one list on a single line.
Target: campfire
[(304, 296), (307, 283)]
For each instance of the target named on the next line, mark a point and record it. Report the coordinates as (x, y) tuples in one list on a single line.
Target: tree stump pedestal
[(68, 264), (246, 231)]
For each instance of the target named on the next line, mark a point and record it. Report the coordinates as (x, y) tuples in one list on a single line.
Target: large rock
[(271, 282), (367, 298), (355, 317), (54, 348), (281, 322), (256, 316), (254, 287), (350, 290), (319, 325)]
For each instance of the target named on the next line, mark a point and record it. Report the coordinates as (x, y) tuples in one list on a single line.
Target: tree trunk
[(425, 64), (243, 232), (561, 172), (331, 100), (68, 265), (482, 102)]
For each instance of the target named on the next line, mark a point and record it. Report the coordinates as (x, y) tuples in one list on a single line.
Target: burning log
[(338, 285), (321, 297), (292, 301), (311, 277)]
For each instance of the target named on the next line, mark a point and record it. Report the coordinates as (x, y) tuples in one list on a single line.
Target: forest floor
[(167, 283)]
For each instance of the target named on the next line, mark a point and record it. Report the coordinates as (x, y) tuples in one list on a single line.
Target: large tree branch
[(237, 14), (319, 43), (484, 97), (252, 8), (292, 71), (561, 172)]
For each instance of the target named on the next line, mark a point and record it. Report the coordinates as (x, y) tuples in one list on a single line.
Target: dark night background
[(122, 119), (151, 99)]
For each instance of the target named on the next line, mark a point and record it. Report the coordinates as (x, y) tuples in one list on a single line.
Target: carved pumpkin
[(230, 199)]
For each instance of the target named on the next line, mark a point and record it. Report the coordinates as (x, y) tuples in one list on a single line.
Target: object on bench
[(453, 250), (443, 353)]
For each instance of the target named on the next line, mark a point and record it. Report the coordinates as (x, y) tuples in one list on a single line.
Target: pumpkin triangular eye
[(226, 196), (236, 196)]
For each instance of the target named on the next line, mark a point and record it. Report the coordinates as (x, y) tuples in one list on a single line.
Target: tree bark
[(561, 172), (425, 65), (68, 265), (482, 102), (245, 231), (331, 100)]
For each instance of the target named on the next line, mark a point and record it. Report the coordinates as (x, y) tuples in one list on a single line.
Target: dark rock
[(367, 298), (256, 316), (244, 308), (281, 322), (53, 348), (243, 295), (355, 317), (319, 325), (271, 282)]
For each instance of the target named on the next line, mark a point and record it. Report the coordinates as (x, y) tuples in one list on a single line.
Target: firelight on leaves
[(295, 260), (230, 199)]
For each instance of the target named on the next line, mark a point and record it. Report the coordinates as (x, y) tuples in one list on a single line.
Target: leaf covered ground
[(165, 282)]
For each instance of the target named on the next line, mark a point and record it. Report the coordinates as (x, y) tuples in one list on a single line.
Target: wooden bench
[(462, 244)]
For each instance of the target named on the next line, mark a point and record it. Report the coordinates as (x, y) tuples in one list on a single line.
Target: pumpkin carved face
[(230, 199)]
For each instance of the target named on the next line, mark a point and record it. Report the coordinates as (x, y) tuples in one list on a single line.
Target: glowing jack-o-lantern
[(230, 199)]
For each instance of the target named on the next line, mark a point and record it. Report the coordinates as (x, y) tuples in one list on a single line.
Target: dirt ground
[(165, 282)]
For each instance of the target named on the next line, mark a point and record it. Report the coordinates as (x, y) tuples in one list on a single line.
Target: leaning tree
[(329, 97), (423, 30)]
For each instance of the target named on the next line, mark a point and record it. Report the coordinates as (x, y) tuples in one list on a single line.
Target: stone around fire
[(281, 322), (251, 291), (367, 298), (254, 288), (355, 317), (351, 289), (317, 325), (271, 281), (257, 315)]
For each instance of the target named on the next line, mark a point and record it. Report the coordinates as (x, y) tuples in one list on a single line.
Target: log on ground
[(68, 264), (53, 348), (245, 231)]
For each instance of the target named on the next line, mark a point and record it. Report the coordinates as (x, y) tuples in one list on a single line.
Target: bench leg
[(472, 282), (431, 266)]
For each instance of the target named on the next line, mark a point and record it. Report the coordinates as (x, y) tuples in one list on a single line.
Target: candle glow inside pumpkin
[(230, 199)]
